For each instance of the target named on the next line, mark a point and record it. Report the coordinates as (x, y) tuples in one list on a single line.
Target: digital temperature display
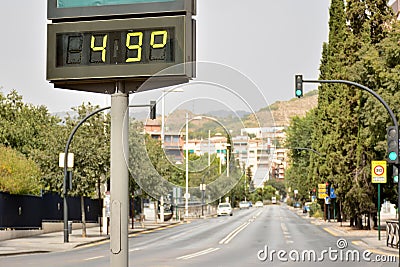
[(120, 48), (136, 46)]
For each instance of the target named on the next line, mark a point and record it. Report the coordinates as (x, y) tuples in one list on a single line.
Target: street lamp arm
[(380, 99), (71, 136)]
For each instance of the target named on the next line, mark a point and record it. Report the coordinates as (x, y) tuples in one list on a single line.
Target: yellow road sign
[(322, 191), (322, 195), (378, 172), (321, 186)]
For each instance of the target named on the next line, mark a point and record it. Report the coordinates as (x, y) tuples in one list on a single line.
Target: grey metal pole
[(65, 207), (119, 178), (187, 169)]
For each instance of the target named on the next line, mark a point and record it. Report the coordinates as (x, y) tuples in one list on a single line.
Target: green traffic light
[(396, 179), (392, 155), (298, 93)]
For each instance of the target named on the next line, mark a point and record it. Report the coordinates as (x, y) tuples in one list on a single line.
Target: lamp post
[(173, 90), (227, 159), (66, 162), (187, 195), (71, 136), (187, 168)]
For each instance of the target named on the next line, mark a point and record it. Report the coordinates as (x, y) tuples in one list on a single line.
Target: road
[(269, 236)]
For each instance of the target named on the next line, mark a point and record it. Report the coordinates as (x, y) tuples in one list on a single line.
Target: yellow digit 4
[(164, 39), (99, 48), (137, 46)]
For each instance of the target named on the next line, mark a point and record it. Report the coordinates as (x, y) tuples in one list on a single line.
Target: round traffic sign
[(379, 170)]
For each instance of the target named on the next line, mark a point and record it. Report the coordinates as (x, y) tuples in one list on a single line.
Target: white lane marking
[(286, 234), (232, 234), (197, 254), (93, 258), (135, 249), (284, 228), (235, 232)]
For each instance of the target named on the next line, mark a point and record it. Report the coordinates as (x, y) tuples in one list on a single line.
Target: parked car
[(224, 209), (306, 207), (259, 204), (273, 200), (244, 205)]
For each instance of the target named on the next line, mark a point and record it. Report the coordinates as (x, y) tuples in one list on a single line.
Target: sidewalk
[(53, 242), (365, 239)]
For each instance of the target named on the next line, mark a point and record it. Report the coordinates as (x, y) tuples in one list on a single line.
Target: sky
[(260, 44)]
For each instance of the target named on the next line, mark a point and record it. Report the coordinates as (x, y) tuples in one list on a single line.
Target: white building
[(259, 149)]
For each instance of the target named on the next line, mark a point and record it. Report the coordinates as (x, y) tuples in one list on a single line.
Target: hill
[(277, 114), (283, 111)]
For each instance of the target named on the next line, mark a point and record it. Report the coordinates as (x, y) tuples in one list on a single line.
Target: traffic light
[(395, 174), (298, 85), (393, 145), (153, 109)]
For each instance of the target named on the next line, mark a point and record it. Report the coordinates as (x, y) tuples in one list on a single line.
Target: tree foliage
[(31, 131), (18, 175), (350, 125), (298, 141)]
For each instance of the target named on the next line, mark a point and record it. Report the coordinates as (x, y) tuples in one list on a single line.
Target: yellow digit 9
[(137, 46), (99, 48), (164, 39)]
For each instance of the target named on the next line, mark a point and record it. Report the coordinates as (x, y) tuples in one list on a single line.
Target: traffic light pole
[(389, 110)]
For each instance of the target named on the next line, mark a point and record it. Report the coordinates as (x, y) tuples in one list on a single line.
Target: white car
[(244, 205), (224, 209), (259, 204)]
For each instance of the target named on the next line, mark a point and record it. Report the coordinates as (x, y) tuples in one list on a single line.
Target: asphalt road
[(269, 236)]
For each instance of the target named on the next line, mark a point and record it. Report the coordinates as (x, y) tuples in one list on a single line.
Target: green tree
[(346, 133), (24, 127), (18, 175), (298, 141), (35, 133)]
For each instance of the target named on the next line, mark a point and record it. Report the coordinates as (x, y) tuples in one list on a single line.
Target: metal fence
[(28, 212), (392, 234)]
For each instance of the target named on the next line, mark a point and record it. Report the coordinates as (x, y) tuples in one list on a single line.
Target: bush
[(315, 210), (18, 175)]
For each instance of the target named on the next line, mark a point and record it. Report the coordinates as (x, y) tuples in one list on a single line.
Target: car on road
[(224, 209), (273, 200), (244, 205), (259, 204)]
